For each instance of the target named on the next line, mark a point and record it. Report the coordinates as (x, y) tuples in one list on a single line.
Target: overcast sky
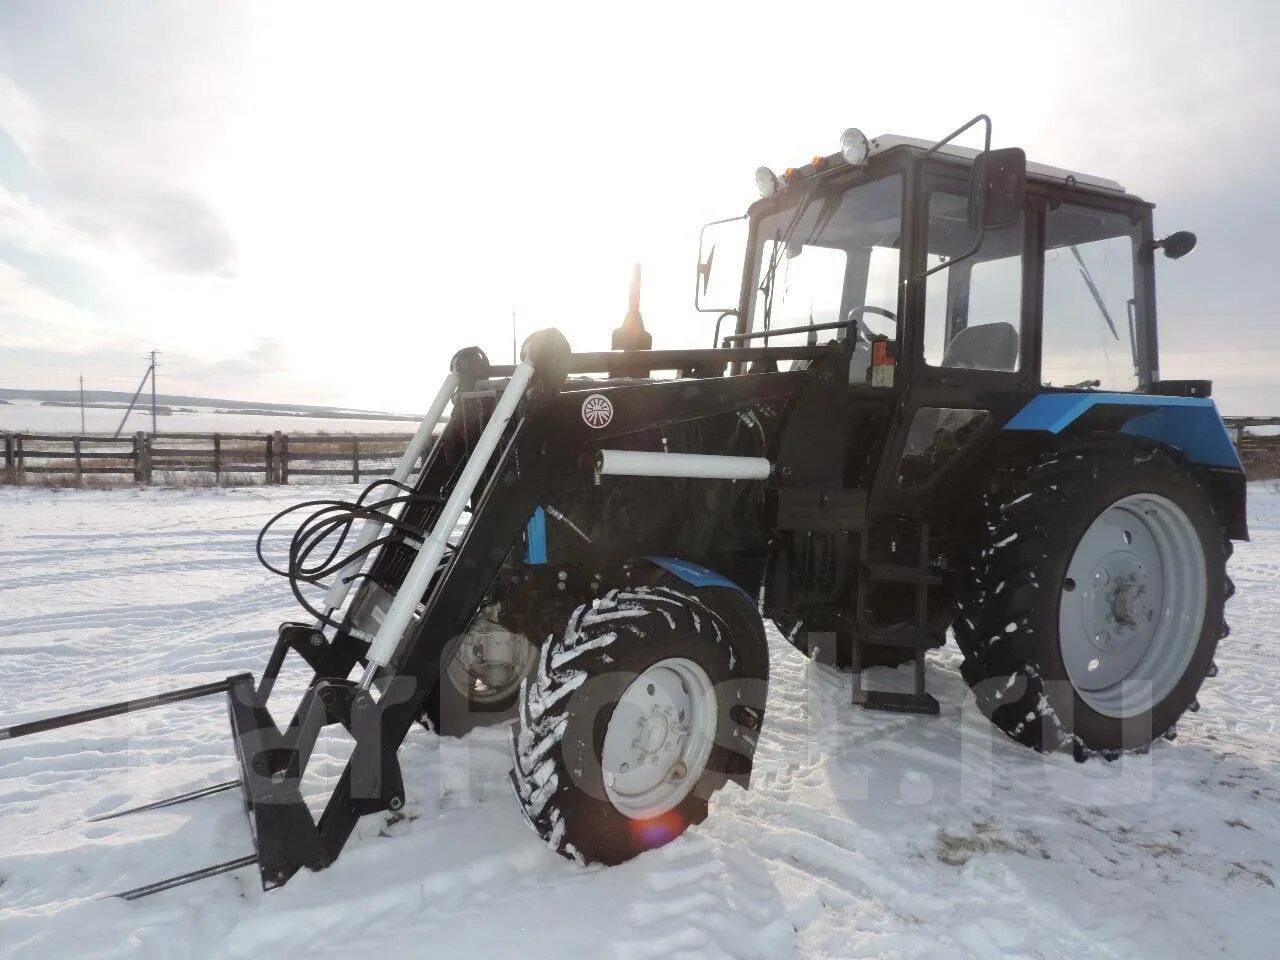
[(315, 202)]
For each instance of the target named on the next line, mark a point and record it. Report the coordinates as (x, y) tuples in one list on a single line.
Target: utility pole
[(82, 403), (151, 372), (153, 393)]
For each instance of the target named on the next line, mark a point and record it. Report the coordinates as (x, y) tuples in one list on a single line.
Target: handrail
[(783, 331)]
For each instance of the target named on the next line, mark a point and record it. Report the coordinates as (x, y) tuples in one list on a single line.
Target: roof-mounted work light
[(854, 147)]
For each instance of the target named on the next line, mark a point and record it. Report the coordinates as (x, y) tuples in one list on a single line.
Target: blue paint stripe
[(1056, 411), (536, 537)]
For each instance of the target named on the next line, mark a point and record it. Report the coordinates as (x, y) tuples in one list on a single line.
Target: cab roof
[(1040, 171)]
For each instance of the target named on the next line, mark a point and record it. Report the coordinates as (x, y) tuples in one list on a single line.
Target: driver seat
[(987, 346)]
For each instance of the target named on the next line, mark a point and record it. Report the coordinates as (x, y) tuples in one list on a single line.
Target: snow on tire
[(1095, 604), (635, 715)]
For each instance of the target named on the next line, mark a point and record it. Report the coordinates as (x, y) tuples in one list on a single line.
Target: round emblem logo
[(597, 411)]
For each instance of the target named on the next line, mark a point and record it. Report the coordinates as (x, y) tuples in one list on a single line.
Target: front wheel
[(1097, 600), (481, 676), (637, 713)]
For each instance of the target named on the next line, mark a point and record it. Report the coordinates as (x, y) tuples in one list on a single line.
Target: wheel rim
[(490, 662), (1132, 605), (659, 738)]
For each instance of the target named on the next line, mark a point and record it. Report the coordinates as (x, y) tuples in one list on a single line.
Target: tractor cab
[(966, 282)]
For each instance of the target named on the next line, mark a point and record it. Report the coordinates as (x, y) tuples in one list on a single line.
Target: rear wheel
[(1096, 604), (645, 706)]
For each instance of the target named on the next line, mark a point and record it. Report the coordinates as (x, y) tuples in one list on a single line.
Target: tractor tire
[(644, 706), (1095, 601)]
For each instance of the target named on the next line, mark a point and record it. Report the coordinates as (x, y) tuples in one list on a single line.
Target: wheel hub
[(658, 734), (659, 738), (1118, 607), (490, 661)]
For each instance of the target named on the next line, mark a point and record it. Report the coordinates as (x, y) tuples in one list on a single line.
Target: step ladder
[(912, 634)]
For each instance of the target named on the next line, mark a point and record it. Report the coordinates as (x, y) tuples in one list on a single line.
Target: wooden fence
[(224, 458), (229, 458)]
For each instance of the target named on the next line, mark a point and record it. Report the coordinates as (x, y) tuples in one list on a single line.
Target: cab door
[(969, 340)]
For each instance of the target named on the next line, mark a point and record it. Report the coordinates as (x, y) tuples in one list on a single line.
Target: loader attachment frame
[(500, 476)]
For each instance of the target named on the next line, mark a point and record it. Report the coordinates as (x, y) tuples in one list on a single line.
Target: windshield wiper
[(780, 241), (1093, 289)]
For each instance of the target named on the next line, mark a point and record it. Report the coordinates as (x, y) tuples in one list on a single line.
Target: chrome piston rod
[(387, 641)]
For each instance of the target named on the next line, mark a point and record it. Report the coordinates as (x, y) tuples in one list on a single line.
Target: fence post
[(19, 467), (282, 456), (355, 459), (8, 456), (269, 461), (142, 450), (75, 447), (217, 458)]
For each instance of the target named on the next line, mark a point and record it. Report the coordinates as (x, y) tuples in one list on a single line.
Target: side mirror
[(1178, 244), (722, 250), (997, 187)]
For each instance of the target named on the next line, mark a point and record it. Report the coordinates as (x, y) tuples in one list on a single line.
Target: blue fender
[(697, 575), (1189, 424)]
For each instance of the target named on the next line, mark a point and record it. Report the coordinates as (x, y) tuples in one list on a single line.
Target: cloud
[(118, 114), (170, 225)]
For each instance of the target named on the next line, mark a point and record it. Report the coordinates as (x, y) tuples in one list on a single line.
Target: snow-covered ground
[(31, 416), (864, 835)]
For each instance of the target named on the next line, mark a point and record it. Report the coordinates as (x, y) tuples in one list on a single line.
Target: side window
[(1089, 337), (973, 310), (809, 284), (935, 436)]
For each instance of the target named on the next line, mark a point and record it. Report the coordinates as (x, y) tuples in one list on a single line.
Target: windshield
[(841, 252)]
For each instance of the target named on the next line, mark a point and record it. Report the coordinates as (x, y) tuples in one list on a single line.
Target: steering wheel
[(867, 333)]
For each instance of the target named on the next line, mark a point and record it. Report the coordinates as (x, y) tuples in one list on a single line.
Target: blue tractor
[(932, 405)]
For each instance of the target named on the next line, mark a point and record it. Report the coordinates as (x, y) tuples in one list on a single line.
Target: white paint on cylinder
[(418, 447), (643, 463), (416, 581)]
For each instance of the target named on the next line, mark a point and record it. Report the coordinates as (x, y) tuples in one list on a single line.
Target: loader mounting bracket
[(272, 765)]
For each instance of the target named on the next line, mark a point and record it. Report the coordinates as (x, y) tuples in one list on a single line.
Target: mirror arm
[(959, 130), (964, 256), (715, 338), (982, 198)]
